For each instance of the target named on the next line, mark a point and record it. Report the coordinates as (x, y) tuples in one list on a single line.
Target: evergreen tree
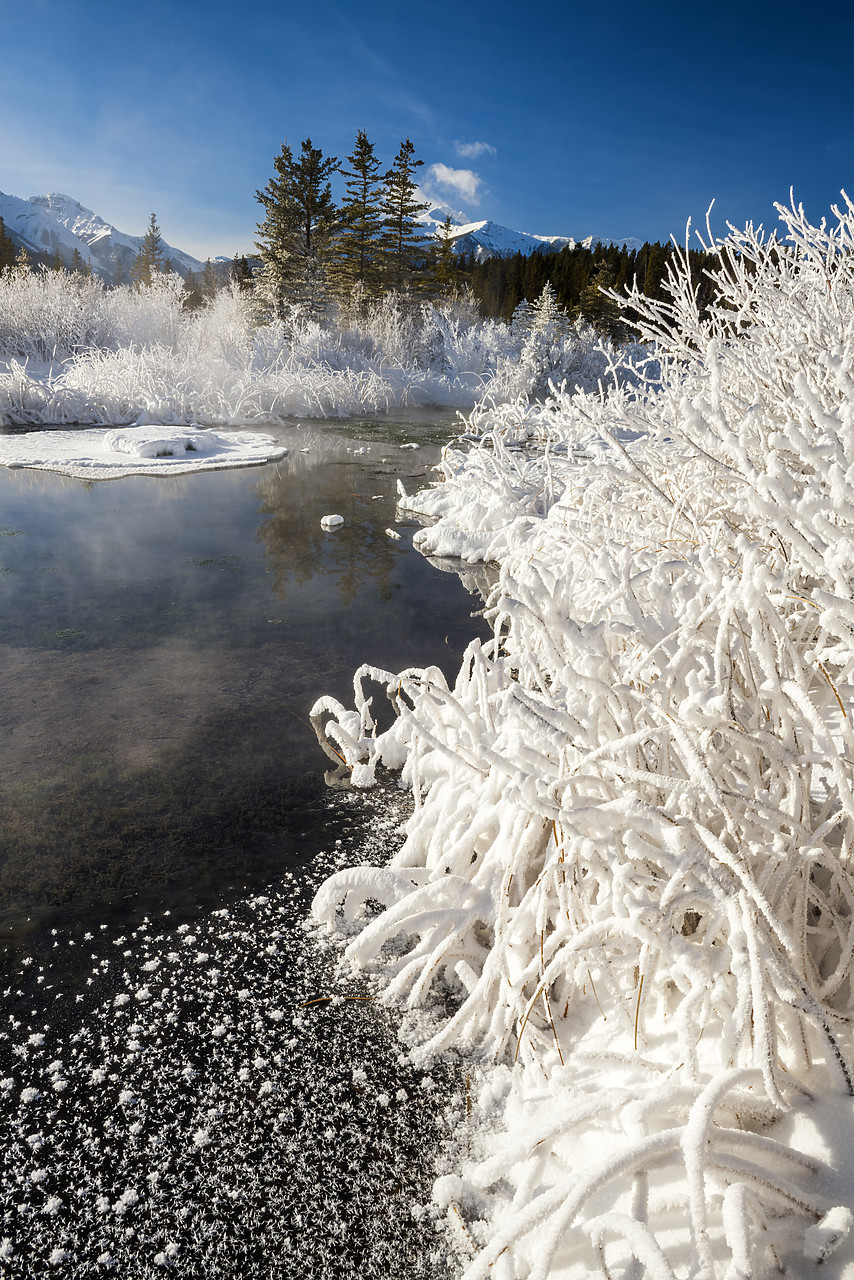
[(404, 249), (446, 272), (598, 309), (656, 270), (119, 273), (500, 283), (210, 282), (548, 311), (7, 249), (359, 248), (77, 262), (149, 260), (240, 274), (296, 237), (545, 316), (194, 292), (23, 261)]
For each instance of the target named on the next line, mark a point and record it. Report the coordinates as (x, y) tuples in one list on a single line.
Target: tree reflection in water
[(163, 643)]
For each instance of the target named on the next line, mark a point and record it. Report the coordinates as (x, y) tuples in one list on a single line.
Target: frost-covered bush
[(47, 315), (627, 879), (147, 359), (549, 348), (51, 316), (150, 315), (116, 355)]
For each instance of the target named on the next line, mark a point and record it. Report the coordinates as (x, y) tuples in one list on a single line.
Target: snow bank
[(627, 880), (149, 450)]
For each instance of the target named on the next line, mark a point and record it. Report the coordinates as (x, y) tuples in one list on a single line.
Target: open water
[(162, 642), (186, 1085)]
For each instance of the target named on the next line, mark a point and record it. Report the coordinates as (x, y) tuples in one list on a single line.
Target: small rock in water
[(409, 446), (392, 533), (331, 522)]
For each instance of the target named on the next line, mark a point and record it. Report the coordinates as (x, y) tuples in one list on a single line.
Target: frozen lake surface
[(178, 1091)]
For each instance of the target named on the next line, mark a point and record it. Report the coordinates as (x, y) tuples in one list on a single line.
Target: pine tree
[(656, 269), (210, 283), (404, 249), (296, 237), (547, 311), (598, 309), (77, 262), (194, 297), (23, 261), (149, 261), (446, 274), (240, 274), (358, 247), (7, 249), (545, 316)]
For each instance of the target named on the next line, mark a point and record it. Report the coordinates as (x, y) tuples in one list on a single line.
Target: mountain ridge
[(489, 239), (58, 224), (54, 223)]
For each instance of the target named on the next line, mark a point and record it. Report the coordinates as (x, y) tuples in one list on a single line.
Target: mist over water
[(186, 1083), (163, 641)]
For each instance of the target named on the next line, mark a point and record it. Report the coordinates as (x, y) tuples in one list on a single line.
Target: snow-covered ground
[(626, 885), (137, 451)]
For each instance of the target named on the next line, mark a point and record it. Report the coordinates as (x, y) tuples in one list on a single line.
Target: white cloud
[(463, 182), (471, 150)]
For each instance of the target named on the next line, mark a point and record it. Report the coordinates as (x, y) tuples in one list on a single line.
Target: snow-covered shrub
[(549, 348), (150, 315), (50, 315), (222, 330), (112, 356), (627, 879)]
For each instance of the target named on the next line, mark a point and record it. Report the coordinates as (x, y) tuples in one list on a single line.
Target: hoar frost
[(74, 352), (626, 880)]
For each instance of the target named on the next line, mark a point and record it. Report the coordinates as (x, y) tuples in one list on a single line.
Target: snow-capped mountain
[(30, 226), (489, 239), (56, 223), (105, 242)]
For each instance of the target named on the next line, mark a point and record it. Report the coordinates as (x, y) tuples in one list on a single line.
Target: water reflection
[(162, 641), (295, 495)]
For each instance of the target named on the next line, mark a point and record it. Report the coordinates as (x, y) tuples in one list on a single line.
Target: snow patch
[(96, 454)]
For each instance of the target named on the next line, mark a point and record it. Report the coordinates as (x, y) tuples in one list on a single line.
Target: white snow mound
[(99, 454)]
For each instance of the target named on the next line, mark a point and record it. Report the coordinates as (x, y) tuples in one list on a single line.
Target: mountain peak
[(488, 239), (55, 223)]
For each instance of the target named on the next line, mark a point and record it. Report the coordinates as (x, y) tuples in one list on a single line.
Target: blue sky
[(556, 118)]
